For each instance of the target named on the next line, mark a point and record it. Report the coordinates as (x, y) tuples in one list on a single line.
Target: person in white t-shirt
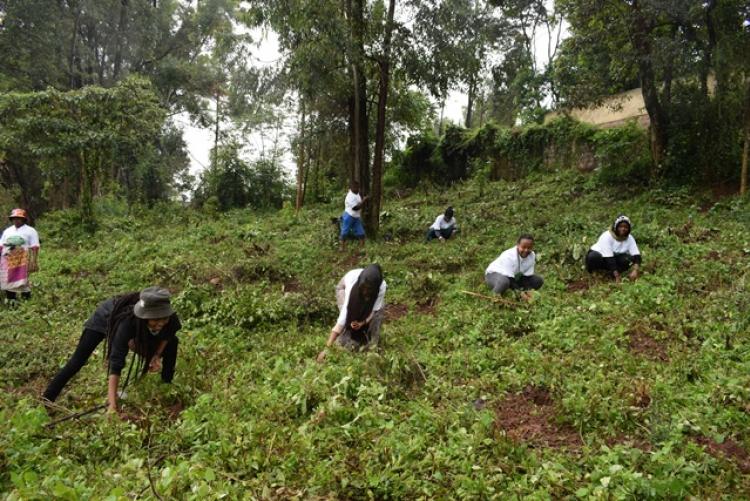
[(514, 268), (351, 219), (615, 252), (444, 226), (19, 251), (360, 297)]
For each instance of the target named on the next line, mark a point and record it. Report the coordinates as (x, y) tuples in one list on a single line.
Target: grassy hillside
[(594, 389)]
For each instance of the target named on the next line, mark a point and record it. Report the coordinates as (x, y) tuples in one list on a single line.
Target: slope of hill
[(632, 390)]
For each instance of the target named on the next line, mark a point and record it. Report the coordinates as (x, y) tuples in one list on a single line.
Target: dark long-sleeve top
[(126, 331)]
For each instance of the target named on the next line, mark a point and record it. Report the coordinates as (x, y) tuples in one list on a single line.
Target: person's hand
[(618, 278), (155, 364), (33, 266), (633, 275), (526, 296), (321, 357), (357, 325)]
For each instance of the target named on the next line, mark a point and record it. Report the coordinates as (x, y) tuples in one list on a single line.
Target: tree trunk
[(377, 167), (470, 102), (217, 131), (122, 29), (746, 147), (361, 123), (300, 158), (656, 113)]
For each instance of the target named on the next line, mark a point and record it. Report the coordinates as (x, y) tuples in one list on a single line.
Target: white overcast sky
[(200, 140)]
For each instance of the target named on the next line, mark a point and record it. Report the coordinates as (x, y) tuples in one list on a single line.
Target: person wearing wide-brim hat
[(144, 323), (19, 252)]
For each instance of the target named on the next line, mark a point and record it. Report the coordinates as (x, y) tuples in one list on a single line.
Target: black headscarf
[(359, 307), (449, 213)]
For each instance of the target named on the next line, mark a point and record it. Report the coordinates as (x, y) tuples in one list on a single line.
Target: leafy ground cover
[(593, 389)]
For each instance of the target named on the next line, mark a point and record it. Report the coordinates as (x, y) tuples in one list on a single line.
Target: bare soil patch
[(646, 346), (291, 286), (530, 417), (394, 311), (729, 450), (428, 307), (577, 285)]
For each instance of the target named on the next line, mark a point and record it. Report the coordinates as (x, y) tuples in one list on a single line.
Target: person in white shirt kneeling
[(514, 268), (615, 252), (444, 226)]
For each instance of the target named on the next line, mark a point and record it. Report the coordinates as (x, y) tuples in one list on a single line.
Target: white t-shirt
[(608, 246), (510, 262), (349, 280), (29, 235), (441, 224), (352, 200)]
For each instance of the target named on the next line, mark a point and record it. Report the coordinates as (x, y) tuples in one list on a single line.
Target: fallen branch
[(148, 462), (496, 300), (75, 416)]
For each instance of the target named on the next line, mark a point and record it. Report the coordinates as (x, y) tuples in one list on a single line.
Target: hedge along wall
[(614, 154)]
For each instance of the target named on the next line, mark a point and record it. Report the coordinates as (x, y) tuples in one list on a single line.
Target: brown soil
[(644, 345), (428, 307), (529, 417), (729, 450), (719, 191), (174, 410), (634, 442), (577, 285), (394, 311), (291, 286), (350, 260)]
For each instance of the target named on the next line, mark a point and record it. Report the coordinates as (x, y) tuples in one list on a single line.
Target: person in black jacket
[(144, 323)]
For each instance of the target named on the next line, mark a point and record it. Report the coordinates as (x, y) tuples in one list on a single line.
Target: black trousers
[(433, 233), (12, 296), (595, 261), (86, 346)]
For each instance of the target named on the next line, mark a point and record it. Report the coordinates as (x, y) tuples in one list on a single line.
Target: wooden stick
[(75, 416), (497, 300)]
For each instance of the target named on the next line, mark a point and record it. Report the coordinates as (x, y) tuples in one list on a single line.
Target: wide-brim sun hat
[(18, 213), (153, 303)]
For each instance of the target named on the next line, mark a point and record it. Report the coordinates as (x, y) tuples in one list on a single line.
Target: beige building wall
[(615, 111)]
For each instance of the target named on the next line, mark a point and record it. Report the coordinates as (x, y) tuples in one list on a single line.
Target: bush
[(623, 154)]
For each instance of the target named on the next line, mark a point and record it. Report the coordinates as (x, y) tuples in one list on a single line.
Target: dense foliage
[(618, 154), (642, 385)]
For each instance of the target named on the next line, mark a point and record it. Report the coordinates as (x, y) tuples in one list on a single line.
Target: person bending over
[(144, 323), (360, 297)]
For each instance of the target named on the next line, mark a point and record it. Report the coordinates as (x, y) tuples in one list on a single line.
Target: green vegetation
[(592, 390)]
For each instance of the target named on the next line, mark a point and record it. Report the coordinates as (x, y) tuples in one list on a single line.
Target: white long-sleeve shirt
[(609, 246), (353, 200), (441, 224), (510, 262), (349, 280)]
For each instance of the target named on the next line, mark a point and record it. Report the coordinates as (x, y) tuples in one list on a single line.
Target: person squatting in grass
[(142, 322), (19, 252), (444, 226), (514, 268), (351, 219), (615, 252), (360, 297)]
